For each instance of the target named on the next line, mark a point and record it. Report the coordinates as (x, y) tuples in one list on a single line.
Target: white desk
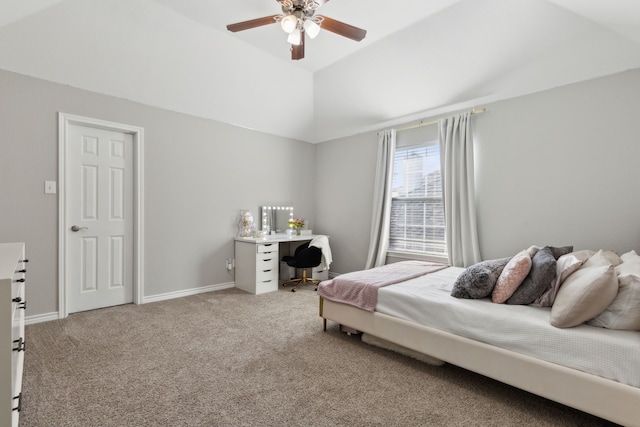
[(258, 260)]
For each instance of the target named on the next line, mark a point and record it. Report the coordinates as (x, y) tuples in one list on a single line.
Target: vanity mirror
[(275, 219)]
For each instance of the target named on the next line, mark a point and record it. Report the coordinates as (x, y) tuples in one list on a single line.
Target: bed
[(589, 368)]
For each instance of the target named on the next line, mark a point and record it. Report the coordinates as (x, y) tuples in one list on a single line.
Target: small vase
[(297, 231), (246, 224)]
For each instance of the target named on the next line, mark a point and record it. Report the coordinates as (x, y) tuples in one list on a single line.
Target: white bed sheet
[(426, 300)]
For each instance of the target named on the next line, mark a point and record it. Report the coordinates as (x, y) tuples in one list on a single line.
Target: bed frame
[(604, 398)]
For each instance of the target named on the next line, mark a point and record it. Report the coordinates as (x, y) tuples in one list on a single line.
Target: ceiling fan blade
[(297, 50), (253, 23), (340, 28)]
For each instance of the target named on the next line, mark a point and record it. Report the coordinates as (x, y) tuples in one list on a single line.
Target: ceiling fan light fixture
[(295, 37), (289, 23), (311, 28), (298, 19)]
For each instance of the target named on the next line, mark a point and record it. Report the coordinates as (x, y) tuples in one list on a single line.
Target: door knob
[(75, 228)]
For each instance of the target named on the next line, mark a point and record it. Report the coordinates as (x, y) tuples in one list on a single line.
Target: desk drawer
[(267, 247), (267, 286), (266, 263), (265, 275)]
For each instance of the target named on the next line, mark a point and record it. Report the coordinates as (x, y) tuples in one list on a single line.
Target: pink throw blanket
[(360, 288)]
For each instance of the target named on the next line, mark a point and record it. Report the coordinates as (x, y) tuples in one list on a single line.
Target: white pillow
[(624, 311), (584, 295), (629, 267), (584, 254), (602, 258), (630, 256)]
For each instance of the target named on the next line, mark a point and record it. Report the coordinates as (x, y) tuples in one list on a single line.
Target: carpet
[(228, 358)]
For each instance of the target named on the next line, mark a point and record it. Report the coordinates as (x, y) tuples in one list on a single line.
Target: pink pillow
[(511, 277)]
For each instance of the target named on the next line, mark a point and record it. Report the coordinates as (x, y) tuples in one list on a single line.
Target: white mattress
[(524, 329)]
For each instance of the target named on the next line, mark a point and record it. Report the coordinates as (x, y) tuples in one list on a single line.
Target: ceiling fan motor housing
[(302, 9)]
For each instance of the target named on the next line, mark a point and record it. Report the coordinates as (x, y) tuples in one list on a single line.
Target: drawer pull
[(19, 398), (16, 299), (266, 281), (265, 260), (23, 260), (21, 271), (20, 280), (22, 305), (20, 344)]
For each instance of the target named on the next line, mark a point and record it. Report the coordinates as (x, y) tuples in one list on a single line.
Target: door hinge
[(21, 343), (19, 399)]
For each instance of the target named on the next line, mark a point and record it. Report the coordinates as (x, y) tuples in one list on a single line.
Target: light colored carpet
[(228, 358)]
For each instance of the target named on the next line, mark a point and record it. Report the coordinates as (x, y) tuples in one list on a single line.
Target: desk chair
[(305, 257)]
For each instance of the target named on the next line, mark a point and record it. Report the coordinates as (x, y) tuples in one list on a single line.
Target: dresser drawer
[(18, 347), (17, 287), (17, 290), (12, 308), (18, 306), (18, 344)]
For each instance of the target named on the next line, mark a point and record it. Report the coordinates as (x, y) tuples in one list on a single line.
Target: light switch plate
[(50, 187)]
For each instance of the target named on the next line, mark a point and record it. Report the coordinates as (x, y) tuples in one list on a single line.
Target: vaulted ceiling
[(419, 58)]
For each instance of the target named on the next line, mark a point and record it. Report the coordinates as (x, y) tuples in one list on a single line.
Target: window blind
[(417, 210)]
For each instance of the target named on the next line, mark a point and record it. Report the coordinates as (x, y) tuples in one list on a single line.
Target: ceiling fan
[(299, 18)]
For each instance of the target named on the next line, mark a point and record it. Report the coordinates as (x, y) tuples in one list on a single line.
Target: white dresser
[(12, 308)]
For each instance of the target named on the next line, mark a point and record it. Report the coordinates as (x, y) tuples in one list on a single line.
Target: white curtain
[(379, 240), (456, 155)]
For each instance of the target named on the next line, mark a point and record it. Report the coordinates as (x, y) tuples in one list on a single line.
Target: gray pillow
[(540, 278), (478, 280), (557, 252)]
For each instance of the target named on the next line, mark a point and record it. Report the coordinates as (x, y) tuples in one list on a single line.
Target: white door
[(98, 218)]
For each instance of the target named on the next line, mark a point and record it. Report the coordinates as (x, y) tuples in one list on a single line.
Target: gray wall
[(557, 167), (198, 174), (344, 195), (561, 167)]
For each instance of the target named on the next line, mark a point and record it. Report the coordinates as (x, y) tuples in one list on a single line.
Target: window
[(417, 210)]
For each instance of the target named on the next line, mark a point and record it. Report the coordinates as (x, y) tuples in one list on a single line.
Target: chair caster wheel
[(293, 290)]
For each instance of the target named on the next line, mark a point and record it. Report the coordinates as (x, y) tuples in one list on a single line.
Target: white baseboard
[(46, 317), (39, 318), (187, 292)]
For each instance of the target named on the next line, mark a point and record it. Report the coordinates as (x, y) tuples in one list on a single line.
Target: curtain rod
[(433, 122)]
